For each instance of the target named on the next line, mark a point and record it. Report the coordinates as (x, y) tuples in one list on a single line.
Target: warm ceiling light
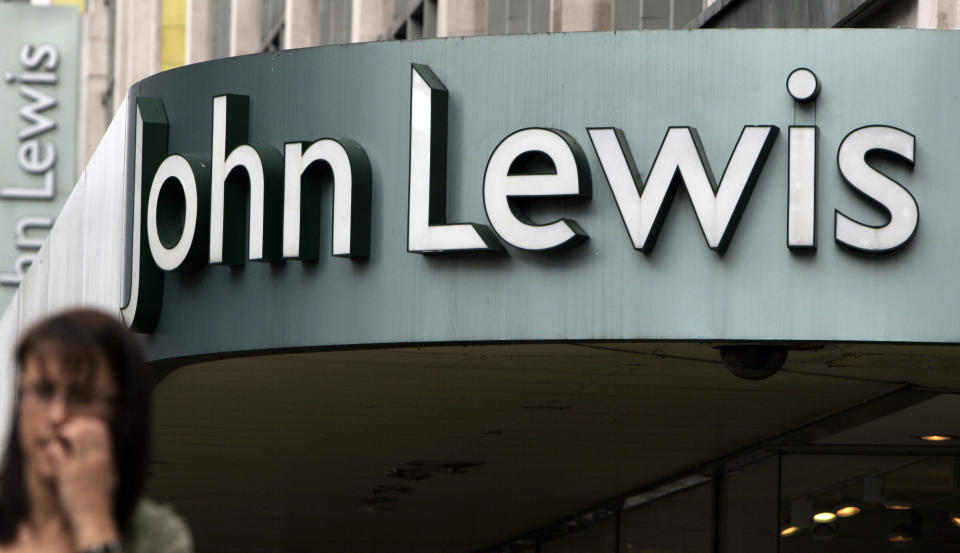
[(902, 533), (955, 519), (897, 505), (848, 507), (824, 516), (789, 531), (848, 511), (935, 437)]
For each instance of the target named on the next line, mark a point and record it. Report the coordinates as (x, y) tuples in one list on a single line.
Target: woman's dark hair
[(81, 340)]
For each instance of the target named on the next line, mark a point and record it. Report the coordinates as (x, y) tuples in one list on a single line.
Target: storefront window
[(414, 19), (859, 503), (678, 523), (655, 14), (510, 17), (335, 22), (271, 24), (220, 28)]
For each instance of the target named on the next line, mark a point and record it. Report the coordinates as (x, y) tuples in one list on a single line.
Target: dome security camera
[(753, 361)]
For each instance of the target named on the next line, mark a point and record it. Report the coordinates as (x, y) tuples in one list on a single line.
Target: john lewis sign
[(202, 217), (582, 167), (38, 70)]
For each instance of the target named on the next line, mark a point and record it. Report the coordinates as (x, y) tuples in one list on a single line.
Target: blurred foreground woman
[(75, 465)]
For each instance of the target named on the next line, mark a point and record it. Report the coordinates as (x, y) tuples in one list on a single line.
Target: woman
[(76, 462)]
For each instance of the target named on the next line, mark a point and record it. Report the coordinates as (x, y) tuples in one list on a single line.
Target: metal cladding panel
[(9, 331), (79, 263), (64, 250), (104, 213), (34, 291), (603, 289)]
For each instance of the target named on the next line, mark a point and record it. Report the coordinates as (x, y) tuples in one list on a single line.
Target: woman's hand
[(83, 460)]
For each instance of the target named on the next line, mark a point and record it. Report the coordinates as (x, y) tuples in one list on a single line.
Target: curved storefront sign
[(526, 188)]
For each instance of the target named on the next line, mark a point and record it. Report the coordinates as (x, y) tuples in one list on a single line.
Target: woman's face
[(50, 395)]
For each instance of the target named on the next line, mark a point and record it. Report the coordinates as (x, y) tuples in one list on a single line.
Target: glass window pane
[(655, 14), (221, 28), (678, 523), (335, 21), (748, 516), (626, 15), (518, 16), (539, 16), (497, 17), (271, 19), (429, 18), (599, 538), (685, 11)]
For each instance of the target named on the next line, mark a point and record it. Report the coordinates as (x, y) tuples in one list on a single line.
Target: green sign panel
[(708, 185), (38, 90)]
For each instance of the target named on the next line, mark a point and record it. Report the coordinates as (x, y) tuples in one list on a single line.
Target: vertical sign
[(38, 111)]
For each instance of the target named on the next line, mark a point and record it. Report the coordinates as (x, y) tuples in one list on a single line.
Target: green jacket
[(157, 528)]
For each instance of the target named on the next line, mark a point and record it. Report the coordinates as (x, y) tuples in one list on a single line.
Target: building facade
[(496, 332), (123, 42)]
